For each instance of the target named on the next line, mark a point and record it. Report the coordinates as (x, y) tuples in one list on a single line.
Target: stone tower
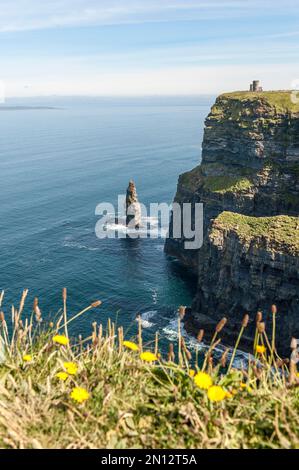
[(255, 86)]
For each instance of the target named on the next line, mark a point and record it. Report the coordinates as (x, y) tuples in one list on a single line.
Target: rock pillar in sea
[(133, 210)]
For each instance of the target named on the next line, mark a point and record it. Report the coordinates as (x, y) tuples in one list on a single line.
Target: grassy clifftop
[(280, 100), (281, 232)]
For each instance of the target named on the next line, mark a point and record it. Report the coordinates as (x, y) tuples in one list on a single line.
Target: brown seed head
[(182, 311), (245, 320), (97, 303), (273, 309), (259, 316), (261, 327), (200, 335), (64, 294), (38, 313), (223, 359), (2, 317), (35, 303), (221, 324)]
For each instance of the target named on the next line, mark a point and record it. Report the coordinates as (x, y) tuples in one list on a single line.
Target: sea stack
[(133, 210)]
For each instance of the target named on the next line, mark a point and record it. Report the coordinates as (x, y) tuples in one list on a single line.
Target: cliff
[(248, 182)]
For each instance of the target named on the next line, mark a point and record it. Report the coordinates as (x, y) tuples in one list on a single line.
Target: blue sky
[(144, 47)]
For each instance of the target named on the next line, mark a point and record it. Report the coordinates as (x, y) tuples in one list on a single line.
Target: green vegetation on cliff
[(280, 232), (217, 181), (226, 184), (280, 100)]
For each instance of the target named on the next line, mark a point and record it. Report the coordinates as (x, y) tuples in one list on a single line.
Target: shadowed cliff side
[(249, 184)]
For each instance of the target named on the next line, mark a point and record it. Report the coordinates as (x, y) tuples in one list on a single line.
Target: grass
[(217, 183), (281, 232), (133, 403), (280, 100), (227, 184)]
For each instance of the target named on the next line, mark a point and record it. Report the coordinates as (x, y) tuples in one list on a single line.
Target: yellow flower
[(228, 395), (62, 376), (203, 380), (61, 339), (216, 393), (148, 356), (191, 372), (297, 374), (79, 394), (245, 386), (71, 368), (27, 357), (131, 345), (260, 349)]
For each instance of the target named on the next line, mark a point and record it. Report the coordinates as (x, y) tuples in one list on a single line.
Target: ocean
[(57, 164)]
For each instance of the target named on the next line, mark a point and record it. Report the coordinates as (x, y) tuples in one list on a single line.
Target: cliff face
[(249, 176)]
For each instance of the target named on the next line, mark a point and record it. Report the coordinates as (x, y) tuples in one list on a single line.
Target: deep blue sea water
[(56, 166)]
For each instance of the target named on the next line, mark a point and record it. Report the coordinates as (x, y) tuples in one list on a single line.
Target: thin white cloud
[(20, 15)]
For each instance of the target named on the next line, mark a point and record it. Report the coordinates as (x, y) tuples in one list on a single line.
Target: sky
[(146, 47)]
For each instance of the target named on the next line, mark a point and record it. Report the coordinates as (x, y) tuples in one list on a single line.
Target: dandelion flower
[(148, 356), (27, 357), (191, 372), (203, 380), (61, 339), (260, 349), (61, 376), (131, 345), (246, 387), (216, 393), (71, 367), (79, 394)]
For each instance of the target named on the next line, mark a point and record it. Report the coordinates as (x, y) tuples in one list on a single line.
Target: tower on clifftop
[(255, 86)]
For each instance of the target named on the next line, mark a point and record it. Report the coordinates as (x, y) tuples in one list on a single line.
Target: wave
[(149, 227), (171, 333), (146, 316)]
